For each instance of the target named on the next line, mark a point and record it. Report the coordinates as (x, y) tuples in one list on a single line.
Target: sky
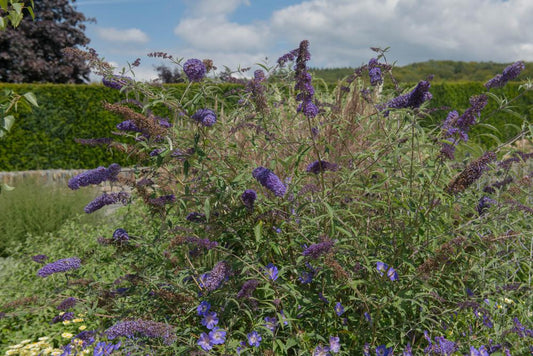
[(244, 33)]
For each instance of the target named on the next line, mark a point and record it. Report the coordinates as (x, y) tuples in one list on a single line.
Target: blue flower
[(271, 323), (321, 351), (210, 320), (482, 351), (383, 351), (254, 339), (205, 342), (217, 336), (339, 309), (392, 274), (103, 349), (334, 344), (271, 271), (203, 308), (381, 267)]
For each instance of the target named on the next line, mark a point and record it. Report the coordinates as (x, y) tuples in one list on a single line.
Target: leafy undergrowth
[(304, 222)]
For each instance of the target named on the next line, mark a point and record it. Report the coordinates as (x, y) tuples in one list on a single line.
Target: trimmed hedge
[(44, 138)]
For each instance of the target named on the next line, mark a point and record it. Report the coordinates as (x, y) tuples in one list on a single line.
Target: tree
[(34, 51), (167, 75)]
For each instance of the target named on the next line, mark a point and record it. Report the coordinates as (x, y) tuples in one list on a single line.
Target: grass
[(35, 207)]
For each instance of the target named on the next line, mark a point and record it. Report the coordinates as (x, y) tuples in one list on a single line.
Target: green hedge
[(44, 138)]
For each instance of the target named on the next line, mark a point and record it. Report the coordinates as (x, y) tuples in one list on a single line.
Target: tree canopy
[(33, 52)]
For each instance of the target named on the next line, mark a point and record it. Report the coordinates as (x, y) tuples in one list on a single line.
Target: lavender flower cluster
[(146, 328), (216, 276), (321, 166), (194, 69), (106, 199), (62, 265), (455, 128), (509, 73), (269, 180), (94, 176), (206, 117), (316, 250), (248, 198), (413, 99), (303, 82)]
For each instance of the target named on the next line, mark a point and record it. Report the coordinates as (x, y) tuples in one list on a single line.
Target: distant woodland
[(443, 71)]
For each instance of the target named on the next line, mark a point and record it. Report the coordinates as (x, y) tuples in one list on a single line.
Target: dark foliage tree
[(167, 75), (34, 51)]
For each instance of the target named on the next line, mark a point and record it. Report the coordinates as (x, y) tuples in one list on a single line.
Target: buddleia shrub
[(308, 221)]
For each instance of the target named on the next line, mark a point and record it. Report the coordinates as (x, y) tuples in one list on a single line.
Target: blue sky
[(244, 32)]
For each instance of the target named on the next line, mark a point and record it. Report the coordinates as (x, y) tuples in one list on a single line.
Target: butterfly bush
[(215, 253)]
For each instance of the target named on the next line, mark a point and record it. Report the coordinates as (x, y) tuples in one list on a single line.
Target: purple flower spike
[(106, 199), (217, 275), (68, 303), (63, 265), (194, 69), (321, 166), (116, 81), (254, 339), (146, 328), (269, 180), (247, 289), (248, 198), (39, 258), (94, 176), (206, 117), (120, 235), (510, 72), (316, 250)]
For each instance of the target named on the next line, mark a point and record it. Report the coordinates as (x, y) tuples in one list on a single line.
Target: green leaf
[(7, 187), (3, 4), (257, 231), (9, 120), (31, 98)]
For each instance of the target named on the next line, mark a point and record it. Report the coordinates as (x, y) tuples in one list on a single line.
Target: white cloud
[(416, 29), (221, 35), (130, 35)]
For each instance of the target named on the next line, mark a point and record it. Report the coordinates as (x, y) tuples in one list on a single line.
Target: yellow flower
[(12, 352), (86, 351), (508, 301), (43, 338), (82, 327), (77, 320), (66, 322), (67, 335)]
